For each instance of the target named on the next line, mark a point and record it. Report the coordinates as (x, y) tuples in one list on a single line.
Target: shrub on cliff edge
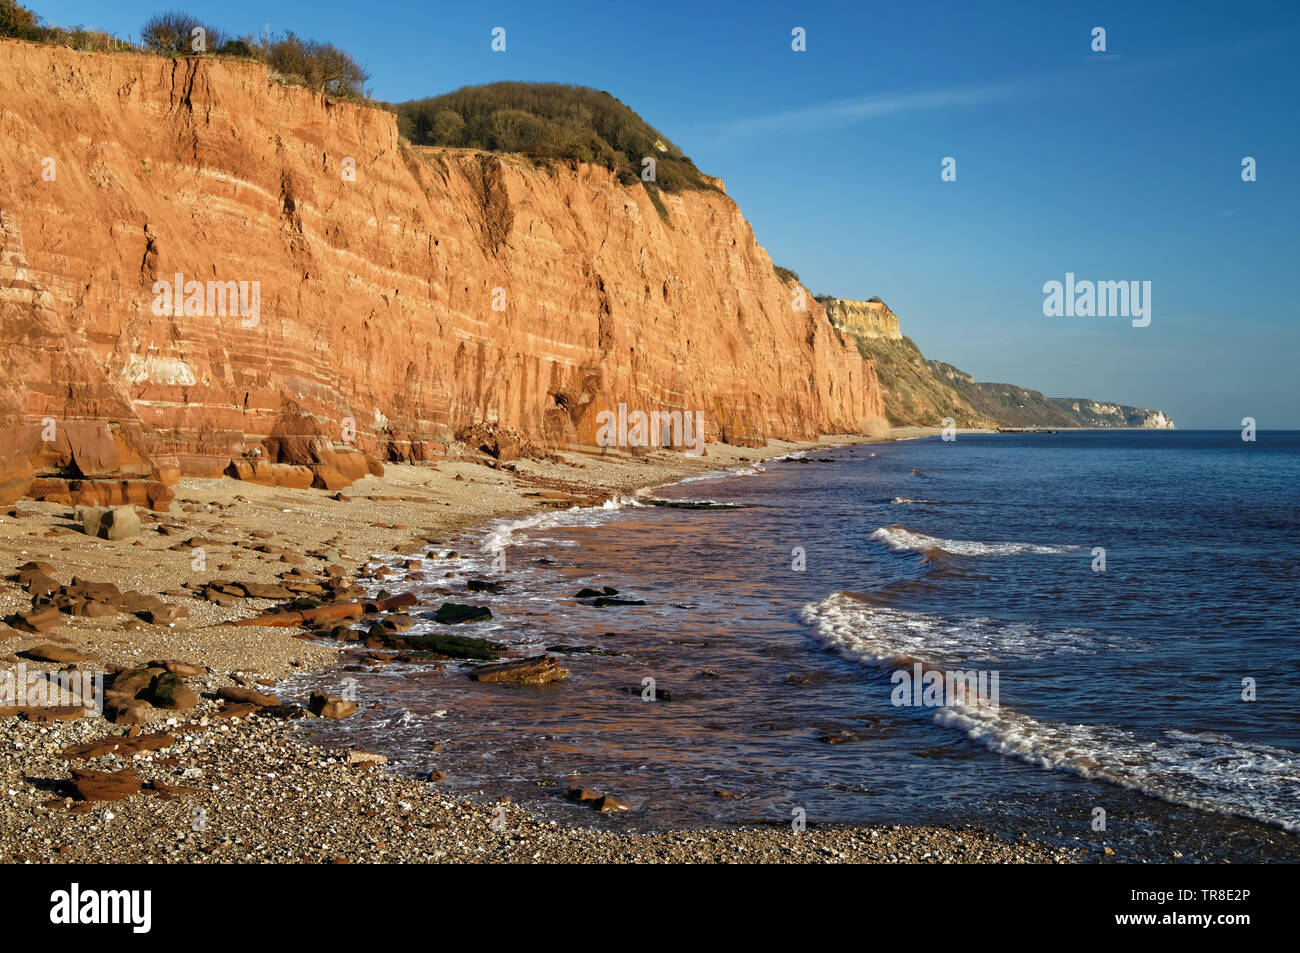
[(18, 21), (551, 121)]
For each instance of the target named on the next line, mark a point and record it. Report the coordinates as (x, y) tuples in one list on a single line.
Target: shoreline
[(252, 789)]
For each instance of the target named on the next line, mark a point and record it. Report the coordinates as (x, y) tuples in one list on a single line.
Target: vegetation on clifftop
[(551, 121), (291, 59)]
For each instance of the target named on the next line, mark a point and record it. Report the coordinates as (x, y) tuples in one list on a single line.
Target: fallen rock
[(588, 593), (41, 713), (165, 615), (455, 646), (183, 669), (330, 706), (136, 682), (40, 619), (170, 692), (123, 709), (282, 712), (53, 653), (537, 670), (247, 696), (117, 744), (105, 785), (454, 613), (119, 522)]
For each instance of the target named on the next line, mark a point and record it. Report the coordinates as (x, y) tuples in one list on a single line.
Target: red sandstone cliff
[(376, 294)]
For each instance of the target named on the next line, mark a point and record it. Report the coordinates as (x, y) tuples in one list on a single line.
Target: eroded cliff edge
[(377, 292)]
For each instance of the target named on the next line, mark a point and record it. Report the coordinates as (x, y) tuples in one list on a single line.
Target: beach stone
[(170, 692), (454, 613), (136, 682), (105, 785), (610, 803), (183, 669), (39, 584), (455, 646), (247, 696), (46, 713), (54, 653), (123, 709), (537, 670), (231, 709), (118, 522), (604, 601), (330, 706), (91, 609), (165, 615), (581, 795), (400, 601), (117, 744), (39, 619), (285, 712), (257, 590), (483, 585)]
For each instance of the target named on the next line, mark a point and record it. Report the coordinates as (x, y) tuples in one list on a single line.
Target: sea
[(1126, 602)]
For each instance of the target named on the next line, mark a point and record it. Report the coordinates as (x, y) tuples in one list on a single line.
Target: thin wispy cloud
[(846, 112)]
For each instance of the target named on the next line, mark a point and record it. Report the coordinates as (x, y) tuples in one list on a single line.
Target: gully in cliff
[(638, 429)]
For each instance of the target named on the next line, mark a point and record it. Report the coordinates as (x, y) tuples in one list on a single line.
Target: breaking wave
[(1205, 770), (903, 540)]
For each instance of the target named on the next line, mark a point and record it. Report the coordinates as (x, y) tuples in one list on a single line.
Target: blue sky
[(1123, 165)]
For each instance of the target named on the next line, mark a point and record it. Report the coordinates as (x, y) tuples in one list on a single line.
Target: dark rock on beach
[(455, 646), (454, 613), (537, 670)]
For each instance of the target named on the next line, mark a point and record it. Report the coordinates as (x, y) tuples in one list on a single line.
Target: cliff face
[(1095, 413), (913, 394), (383, 310), (920, 392), (867, 319)]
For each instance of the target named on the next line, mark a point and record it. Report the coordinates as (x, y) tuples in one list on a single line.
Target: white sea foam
[(1209, 771), (876, 634), (502, 532), (903, 540)]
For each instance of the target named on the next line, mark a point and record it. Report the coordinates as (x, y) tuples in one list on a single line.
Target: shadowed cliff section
[(921, 392), (405, 292)]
